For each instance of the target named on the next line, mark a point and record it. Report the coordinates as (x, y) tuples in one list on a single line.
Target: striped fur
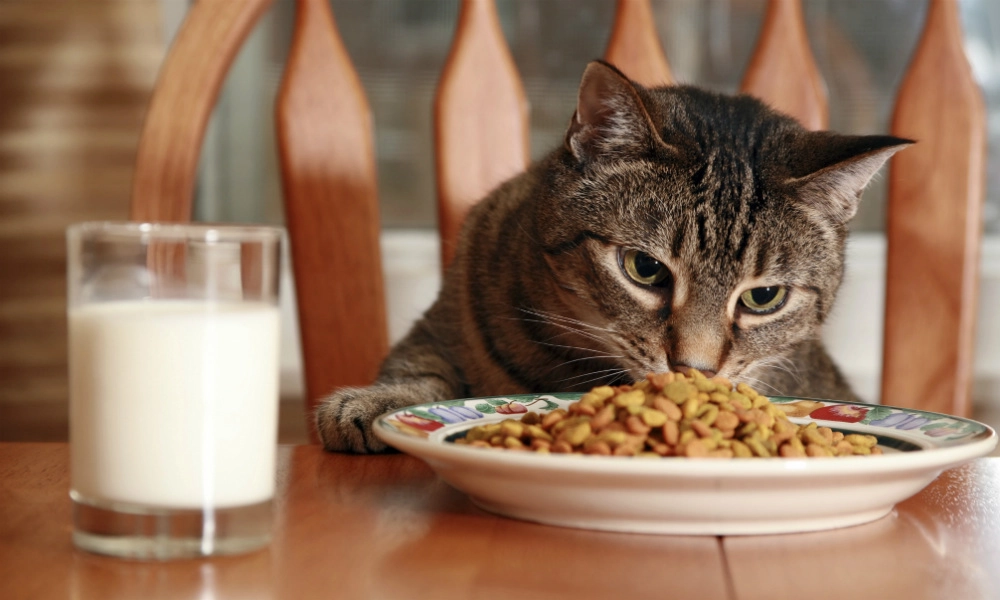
[(725, 192)]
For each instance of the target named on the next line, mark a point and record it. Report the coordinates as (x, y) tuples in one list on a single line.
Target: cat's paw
[(344, 419)]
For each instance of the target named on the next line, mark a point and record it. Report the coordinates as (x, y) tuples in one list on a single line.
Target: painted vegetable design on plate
[(416, 425), (902, 421), (844, 413), (931, 425), (455, 414)]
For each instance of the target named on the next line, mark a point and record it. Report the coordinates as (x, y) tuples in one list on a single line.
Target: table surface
[(386, 527)]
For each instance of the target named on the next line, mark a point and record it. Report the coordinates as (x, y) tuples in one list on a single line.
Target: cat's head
[(700, 229)]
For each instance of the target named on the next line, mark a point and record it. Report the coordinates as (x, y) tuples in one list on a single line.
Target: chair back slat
[(782, 71), (327, 154), (480, 119), (934, 228), (186, 91), (635, 46)]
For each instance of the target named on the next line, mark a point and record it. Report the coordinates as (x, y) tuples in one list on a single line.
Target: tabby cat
[(676, 228)]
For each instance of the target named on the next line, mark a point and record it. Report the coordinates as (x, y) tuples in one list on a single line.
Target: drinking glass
[(173, 369)]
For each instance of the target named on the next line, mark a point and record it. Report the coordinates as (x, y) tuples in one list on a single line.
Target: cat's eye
[(763, 300), (644, 269)]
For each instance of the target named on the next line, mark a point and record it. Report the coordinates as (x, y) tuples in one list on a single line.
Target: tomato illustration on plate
[(419, 422), (845, 413), (512, 408)]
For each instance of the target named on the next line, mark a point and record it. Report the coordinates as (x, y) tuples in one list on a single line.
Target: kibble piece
[(704, 385), (687, 436), (603, 418), (635, 425), (537, 433), (671, 432), (865, 441), (813, 436), (757, 447), (696, 449), (576, 434), (708, 413), (653, 418), (594, 446), (553, 417), (701, 429), (531, 418), (679, 391), (633, 398), (790, 451), (511, 428), (690, 408), (740, 449), (624, 450), (726, 421), (561, 446), (614, 438), (513, 442), (540, 444)]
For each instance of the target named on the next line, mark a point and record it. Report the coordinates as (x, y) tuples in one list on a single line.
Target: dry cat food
[(671, 414)]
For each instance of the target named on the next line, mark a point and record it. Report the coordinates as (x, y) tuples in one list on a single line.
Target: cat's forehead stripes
[(718, 228)]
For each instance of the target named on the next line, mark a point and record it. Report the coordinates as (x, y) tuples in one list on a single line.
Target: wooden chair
[(481, 135)]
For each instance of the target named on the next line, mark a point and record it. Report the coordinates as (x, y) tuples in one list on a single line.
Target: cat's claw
[(344, 421)]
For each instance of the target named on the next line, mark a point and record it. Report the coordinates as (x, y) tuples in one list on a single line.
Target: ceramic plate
[(684, 495)]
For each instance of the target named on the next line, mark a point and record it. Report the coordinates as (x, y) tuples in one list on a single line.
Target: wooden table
[(386, 527)]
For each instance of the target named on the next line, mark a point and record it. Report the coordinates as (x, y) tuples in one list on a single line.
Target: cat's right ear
[(610, 120), (841, 167)]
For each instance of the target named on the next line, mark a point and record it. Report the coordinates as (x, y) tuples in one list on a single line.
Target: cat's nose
[(685, 368)]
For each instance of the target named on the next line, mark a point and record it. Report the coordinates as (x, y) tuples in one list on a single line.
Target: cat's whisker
[(568, 329), (593, 355), (759, 385), (599, 356), (783, 364), (569, 347), (621, 373), (601, 372), (555, 317), (618, 378)]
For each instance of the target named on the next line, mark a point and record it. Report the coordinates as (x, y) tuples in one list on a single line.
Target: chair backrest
[(325, 142)]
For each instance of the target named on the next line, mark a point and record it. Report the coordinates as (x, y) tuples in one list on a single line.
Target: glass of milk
[(173, 368)]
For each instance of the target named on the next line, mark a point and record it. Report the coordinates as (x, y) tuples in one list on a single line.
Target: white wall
[(854, 332), (411, 265)]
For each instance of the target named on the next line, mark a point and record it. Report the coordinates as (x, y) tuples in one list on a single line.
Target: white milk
[(174, 403)]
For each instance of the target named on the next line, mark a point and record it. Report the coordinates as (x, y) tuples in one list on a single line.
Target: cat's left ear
[(610, 120), (839, 167)]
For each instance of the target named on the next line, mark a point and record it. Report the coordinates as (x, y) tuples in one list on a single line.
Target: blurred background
[(76, 75)]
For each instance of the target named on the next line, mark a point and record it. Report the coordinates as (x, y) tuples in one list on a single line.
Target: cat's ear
[(838, 168), (610, 120)]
